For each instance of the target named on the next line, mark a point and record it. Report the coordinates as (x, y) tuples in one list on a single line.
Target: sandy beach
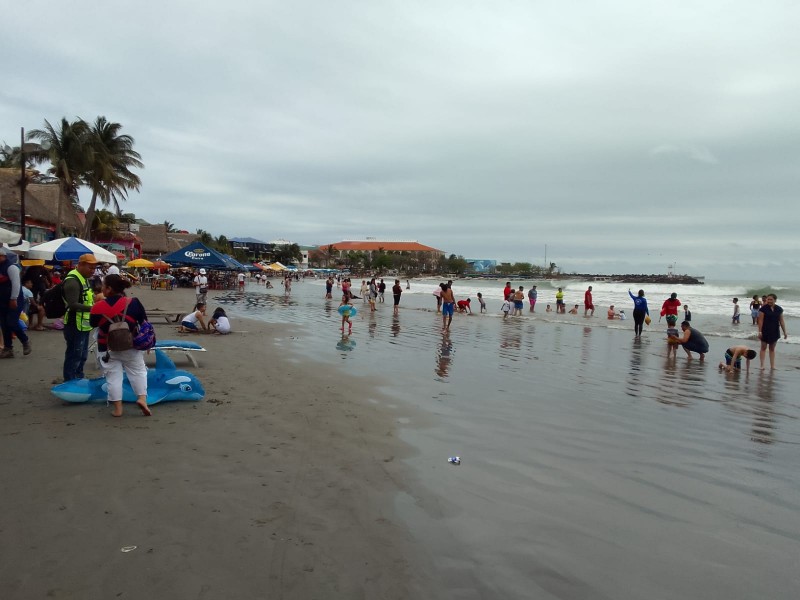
[(593, 466), (278, 484)]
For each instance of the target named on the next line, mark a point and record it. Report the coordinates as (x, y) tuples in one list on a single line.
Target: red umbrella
[(160, 266)]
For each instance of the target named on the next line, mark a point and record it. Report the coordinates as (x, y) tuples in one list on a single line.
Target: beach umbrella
[(20, 247), (140, 263), (70, 248), (160, 265), (8, 237)]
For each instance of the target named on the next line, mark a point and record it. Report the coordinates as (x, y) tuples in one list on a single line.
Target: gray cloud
[(625, 135)]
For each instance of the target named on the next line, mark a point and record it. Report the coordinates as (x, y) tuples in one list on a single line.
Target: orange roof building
[(373, 245)]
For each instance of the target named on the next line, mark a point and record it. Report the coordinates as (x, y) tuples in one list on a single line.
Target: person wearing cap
[(201, 287), (11, 303), (78, 297)]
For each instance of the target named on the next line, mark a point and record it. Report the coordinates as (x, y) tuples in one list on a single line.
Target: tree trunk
[(87, 227), (60, 213)]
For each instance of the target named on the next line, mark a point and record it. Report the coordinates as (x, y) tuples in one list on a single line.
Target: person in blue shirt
[(640, 311)]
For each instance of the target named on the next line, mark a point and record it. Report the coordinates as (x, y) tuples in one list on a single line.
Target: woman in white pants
[(116, 362)]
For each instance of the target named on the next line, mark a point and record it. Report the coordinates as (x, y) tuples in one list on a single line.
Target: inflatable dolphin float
[(164, 383)]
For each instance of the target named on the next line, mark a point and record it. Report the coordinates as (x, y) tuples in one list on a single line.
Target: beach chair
[(188, 349)]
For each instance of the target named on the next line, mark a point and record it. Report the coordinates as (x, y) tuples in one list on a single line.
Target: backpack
[(146, 338), (53, 301), (120, 337)]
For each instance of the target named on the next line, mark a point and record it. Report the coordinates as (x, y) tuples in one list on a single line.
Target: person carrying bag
[(119, 321)]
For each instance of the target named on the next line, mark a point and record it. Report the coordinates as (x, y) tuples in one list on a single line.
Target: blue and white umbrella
[(70, 248)]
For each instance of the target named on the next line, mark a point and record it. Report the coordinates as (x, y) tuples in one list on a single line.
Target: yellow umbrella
[(139, 263), (32, 262)]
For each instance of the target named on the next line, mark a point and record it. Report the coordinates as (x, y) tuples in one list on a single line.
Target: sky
[(622, 136)]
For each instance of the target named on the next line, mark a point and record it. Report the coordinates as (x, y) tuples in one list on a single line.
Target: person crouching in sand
[(692, 341), (733, 358), (190, 321), (219, 322)]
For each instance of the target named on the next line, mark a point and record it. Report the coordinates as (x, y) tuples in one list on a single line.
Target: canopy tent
[(276, 266), (70, 249), (198, 255), (8, 237), (235, 262)]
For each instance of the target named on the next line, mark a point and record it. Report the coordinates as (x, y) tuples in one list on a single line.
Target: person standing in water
[(532, 296), (770, 324), (448, 306), (587, 303), (755, 307), (640, 311), (396, 291)]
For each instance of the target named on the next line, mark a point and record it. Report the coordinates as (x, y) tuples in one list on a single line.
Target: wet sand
[(278, 484), (592, 466)]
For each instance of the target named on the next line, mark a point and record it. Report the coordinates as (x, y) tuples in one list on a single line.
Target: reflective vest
[(81, 319)]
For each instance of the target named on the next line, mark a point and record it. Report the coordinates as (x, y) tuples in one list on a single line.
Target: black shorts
[(396, 299)]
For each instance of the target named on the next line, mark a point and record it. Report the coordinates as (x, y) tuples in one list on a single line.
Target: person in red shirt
[(670, 307), (507, 291), (464, 306), (587, 303)]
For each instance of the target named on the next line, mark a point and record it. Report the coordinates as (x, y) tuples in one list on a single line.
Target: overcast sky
[(623, 135)]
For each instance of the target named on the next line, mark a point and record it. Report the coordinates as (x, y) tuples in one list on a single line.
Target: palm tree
[(109, 175), (205, 237), (68, 155), (104, 224), (170, 227)]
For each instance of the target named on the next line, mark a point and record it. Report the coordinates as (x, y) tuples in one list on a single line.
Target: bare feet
[(142, 404)]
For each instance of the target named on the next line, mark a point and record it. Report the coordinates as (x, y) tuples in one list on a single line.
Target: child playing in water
[(733, 358), (483, 303), (672, 331), (506, 308), (736, 313), (346, 313), (574, 310)]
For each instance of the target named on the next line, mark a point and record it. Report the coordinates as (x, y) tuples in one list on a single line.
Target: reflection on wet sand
[(763, 409), (444, 353)]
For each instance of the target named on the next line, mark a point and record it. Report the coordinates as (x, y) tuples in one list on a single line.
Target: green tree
[(104, 225), (9, 157), (456, 264), (68, 155), (383, 262), (330, 255), (205, 237), (108, 173), (221, 244), (523, 267), (288, 254), (170, 227)]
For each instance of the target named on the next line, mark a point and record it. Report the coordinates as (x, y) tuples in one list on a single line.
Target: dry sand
[(279, 484)]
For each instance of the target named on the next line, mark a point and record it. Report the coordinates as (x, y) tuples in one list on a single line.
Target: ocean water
[(593, 466)]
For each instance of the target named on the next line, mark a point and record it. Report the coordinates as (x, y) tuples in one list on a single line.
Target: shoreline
[(279, 481)]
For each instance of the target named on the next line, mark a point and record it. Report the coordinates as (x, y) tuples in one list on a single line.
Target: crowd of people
[(94, 298)]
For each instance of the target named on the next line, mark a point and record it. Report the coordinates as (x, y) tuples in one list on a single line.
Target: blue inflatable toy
[(164, 383), (348, 309)]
